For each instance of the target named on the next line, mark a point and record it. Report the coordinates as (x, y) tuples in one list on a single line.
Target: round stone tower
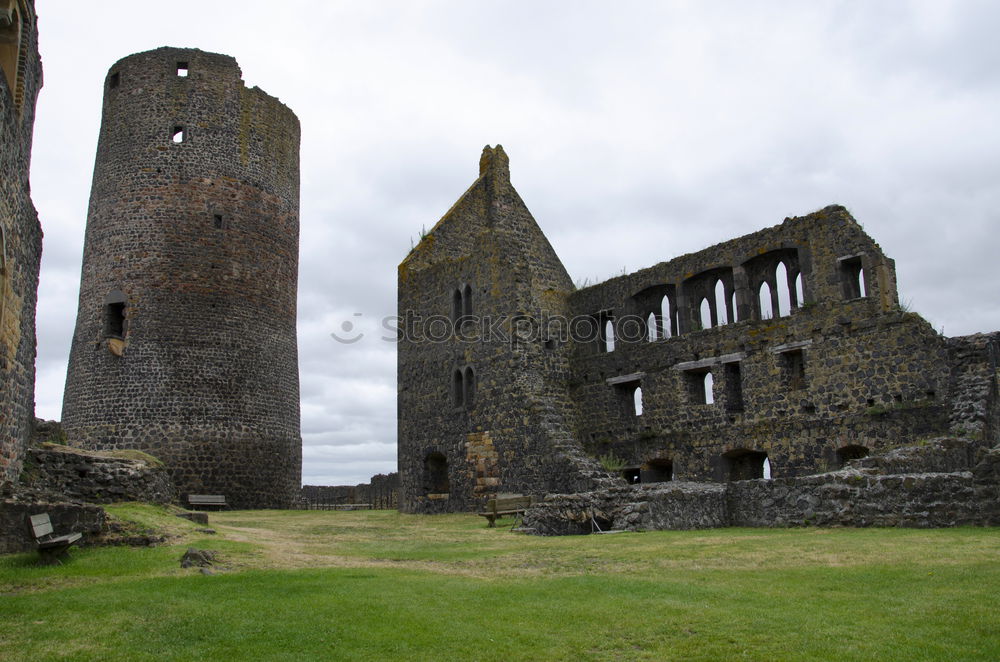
[(185, 340)]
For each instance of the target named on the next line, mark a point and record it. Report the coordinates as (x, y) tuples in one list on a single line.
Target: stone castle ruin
[(644, 402), (778, 354), (185, 342)]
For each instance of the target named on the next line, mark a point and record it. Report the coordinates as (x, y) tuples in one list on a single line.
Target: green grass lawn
[(307, 585)]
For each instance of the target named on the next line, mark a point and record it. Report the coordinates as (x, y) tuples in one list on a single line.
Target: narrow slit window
[(178, 134), (470, 388), (467, 302), (651, 327), (637, 400), (219, 221), (182, 69), (456, 307), (458, 389), (114, 80)]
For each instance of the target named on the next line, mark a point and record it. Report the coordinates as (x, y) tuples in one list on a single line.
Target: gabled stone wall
[(482, 405)]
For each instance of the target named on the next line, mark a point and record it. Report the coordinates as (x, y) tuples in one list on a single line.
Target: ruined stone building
[(781, 353), (20, 232), (185, 341)]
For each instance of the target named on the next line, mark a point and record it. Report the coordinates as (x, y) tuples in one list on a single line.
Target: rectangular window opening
[(700, 387), (114, 80), (114, 320), (219, 221), (182, 69), (852, 277), (178, 134), (734, 387), (794, 369)]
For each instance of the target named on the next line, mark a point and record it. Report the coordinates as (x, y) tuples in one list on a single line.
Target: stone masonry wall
[(836, 368), (946, 482), (20, 236), (185, 341), (975, 406), (483, 407), (78, 475), (777, 354)]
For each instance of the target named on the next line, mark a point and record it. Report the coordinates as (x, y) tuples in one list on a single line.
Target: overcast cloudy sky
[(637, 131)]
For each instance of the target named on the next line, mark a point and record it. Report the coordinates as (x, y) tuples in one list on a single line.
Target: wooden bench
[(51, 548), (201, 500), (503, 505)]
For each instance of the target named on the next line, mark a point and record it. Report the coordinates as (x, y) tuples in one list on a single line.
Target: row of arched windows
[(776, 288), (779, 299)]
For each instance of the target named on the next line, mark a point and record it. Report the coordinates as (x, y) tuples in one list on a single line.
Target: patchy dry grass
[(462, 544), (385, 586)]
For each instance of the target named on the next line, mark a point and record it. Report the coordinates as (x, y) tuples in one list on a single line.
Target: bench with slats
[(505, 505), (201, 500), (51, 548)]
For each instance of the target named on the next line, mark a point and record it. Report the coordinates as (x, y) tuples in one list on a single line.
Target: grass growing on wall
[(385, 586)]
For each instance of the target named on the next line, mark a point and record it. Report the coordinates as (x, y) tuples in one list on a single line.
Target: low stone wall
[(674, 505), (943, 455), (92, 477), (853, 498), (381, 493), (945, 482)]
